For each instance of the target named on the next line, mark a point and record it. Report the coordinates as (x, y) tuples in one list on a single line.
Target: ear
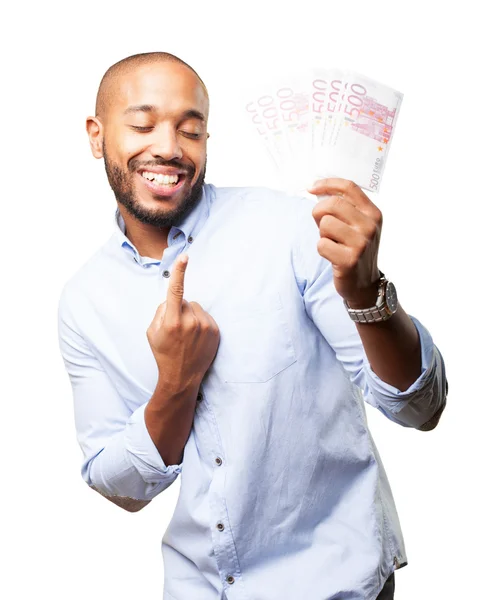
[(94, 128)]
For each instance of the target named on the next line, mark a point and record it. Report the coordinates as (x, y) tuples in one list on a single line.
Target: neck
[(149, 240)]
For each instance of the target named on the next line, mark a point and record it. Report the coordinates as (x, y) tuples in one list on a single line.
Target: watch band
[(374, 314), (369, 315)]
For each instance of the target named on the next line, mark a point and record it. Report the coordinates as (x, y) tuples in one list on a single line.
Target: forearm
[(169, 417), (393, 349), (144, 459)]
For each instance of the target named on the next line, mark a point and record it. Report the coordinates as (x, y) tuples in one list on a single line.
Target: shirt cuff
[(391, 398), (144, 454)]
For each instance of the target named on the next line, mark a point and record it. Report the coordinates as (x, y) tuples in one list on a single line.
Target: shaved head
[(150, 126), (110, 80)]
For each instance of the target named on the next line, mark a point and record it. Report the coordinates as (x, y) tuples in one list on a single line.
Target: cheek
[(127, 147), (131, 147), (199, 158)]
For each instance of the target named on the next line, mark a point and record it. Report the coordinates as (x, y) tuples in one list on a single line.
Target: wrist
[(365, 310), (175, 390), (365, 298)]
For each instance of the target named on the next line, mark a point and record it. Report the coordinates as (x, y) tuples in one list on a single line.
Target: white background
[(59, 538)]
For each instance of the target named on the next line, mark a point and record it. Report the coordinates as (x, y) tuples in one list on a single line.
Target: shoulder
[(265, 199), (87, 277)]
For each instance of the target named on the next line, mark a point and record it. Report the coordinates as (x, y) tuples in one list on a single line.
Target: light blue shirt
[(283, 494)]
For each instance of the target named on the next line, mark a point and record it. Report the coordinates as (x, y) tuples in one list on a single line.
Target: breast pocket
[(255, 342)]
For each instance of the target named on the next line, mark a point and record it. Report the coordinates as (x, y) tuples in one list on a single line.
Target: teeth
[(160, 178)]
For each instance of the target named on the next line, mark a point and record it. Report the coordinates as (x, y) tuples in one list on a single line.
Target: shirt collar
[(189, 226)]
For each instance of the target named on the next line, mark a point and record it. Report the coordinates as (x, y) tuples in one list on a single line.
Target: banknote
[(363, 115), (255, 115), (292, 101), (325, 122), (279, 117)]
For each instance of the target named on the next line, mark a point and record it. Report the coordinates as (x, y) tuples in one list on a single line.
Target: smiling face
[(152, 136)]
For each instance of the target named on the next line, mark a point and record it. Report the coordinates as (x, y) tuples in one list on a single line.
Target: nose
[(165, 143)]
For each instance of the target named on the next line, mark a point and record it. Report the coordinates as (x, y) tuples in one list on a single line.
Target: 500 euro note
[(292, 102), (279, 112), (325, 123), (364, 115)]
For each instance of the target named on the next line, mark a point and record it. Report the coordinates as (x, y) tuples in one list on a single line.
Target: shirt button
[(230, 579), (220, 527), (199, 397), (218, 461), (190, 239), (166, 273)]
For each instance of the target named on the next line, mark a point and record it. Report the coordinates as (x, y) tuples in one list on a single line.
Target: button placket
[(222, 534)]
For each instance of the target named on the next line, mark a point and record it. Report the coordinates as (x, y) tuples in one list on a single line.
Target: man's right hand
[(183, 337)]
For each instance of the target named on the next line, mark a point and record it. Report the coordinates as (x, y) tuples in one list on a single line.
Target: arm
[(392, 347), (418, 406), (184, 340), (131, 455), (395, 363), (397, 342), (349, 234), (168, 419), (120, 460)]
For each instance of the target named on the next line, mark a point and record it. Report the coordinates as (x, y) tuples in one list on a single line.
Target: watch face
[(391, 297)]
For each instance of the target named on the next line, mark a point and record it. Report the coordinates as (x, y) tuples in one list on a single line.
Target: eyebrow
[(150, 108)]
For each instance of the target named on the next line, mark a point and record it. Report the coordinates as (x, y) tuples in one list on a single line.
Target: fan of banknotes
[(324, 123)]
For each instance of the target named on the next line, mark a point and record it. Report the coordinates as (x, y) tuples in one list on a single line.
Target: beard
[(121, 182)]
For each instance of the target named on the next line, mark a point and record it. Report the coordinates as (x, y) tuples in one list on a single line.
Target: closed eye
[(193, 136), (188, 134)]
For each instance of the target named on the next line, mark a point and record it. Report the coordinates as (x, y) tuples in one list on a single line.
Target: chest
[(242, 279)]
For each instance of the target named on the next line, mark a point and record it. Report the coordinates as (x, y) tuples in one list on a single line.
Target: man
[(245, 370)]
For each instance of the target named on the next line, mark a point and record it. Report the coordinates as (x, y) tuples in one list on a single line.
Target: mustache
[(135, 165)]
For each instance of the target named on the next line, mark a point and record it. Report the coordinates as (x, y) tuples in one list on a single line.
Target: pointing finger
[(174, 297)]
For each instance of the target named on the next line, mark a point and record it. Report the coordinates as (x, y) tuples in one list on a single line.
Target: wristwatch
[(386, 305)]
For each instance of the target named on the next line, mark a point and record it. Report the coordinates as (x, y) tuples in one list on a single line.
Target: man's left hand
[(350, 230)]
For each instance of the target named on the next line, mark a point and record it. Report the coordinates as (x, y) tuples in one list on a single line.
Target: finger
[(348, 189), (341, 209), (176, 288), (161, 312), (196, 308), (333, 185), (339, 255), (338, 231), (201, 314)]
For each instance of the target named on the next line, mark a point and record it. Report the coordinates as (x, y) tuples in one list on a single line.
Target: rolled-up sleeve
[(421, 405), (120, 458)]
